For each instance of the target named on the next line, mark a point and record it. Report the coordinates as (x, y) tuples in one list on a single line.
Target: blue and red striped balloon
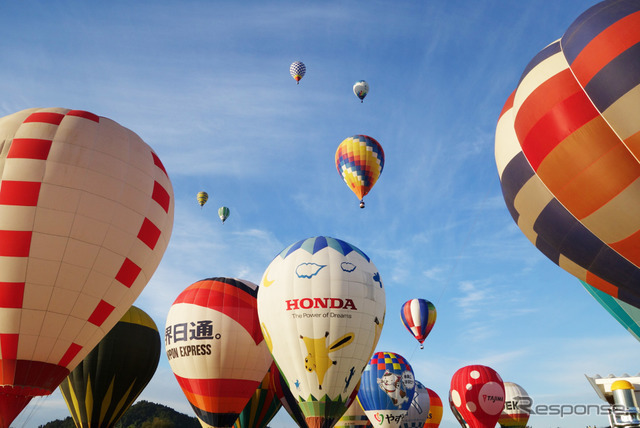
[(567, 150), (419, 317)]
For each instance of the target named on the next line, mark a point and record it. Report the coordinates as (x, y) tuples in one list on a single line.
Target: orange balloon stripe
[(602, 285), (576, 153), (630, 247), (601, 185), (607, 45), (633, 143)]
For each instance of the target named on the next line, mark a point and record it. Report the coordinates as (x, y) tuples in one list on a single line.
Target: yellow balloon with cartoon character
[(321, 304)]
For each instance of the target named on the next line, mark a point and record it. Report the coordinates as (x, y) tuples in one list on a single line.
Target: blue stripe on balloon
[(615, 79), (517, 172), (593, 22)]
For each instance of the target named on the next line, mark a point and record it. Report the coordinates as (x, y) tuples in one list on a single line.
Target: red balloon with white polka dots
[(86, 212), (477, 393)]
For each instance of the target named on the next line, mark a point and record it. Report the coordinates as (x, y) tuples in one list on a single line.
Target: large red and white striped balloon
[(86, 212), (568, 145)]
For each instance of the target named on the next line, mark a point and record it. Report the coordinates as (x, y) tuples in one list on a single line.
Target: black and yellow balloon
[(103, 386)]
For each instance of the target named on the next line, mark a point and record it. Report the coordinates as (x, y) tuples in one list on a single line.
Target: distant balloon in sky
[(567, 147), (419, 317), (202, 198), (105, 384), (215, 347), (419, 409), (359, 161), (223, 213), (361, 89), (477, 394), (435, 410), (297, 70), (86, 212), (321, 304), (516, 406), (386, 389)]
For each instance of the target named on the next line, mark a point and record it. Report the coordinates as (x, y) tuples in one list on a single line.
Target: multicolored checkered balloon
[(360, 160)]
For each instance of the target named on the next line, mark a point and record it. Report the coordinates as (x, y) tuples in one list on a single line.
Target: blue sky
[(207, 85)]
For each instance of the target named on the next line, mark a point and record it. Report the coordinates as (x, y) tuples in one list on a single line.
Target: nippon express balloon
[(321, 304), (86, 213), (419, 409), (517, 405), (215, 347), (360, 161), (419, 317), (386, 389), (435, 410), (105, 384), (567, 147), (477, 394)]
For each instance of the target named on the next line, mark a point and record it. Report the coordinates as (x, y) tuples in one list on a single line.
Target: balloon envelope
[(202, 198), (567, 150), (419, 409), (321, 304), (361, 89), (223, 213), (435, 410), (419, 317), (477, 394), (516, 404), (359, 161), (297, 70), (215, 347), (263, 404), (86, 212), (387, 389), (105, 384)]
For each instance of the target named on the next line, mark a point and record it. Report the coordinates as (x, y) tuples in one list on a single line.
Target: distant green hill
[(142, 414)]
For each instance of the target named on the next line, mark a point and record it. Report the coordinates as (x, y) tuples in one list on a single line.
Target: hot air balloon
[(567, 147), (215, 347), (477, 394), (287, 399), (361, 89), (321, 304), (86, 212), (223, 212), (297, 70), (387, 389), (105, 384), (202, 198), (360, 160), (625, 314), (419, 409), (419, 317), (517, 404), (263, 404), (354, 417), (435, 410)]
